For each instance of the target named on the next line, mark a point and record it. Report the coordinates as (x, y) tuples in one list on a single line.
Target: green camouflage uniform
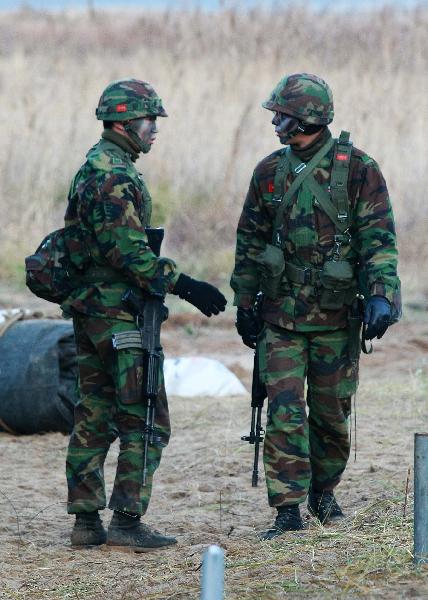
[(109, 207), (300, 340), (110, 405)]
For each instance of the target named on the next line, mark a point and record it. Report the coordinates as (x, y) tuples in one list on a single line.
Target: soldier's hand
[(377, 315), (248, 326), (206, 297)]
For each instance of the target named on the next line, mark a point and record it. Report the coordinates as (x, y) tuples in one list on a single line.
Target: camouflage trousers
[(299, 449), (110, 406)]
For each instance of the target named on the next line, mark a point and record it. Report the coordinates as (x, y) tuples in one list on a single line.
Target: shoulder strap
[(339, 177), (323, 199), (302, 170)]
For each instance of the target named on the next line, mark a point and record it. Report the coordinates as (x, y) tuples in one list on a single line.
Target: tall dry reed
[(212, 71)]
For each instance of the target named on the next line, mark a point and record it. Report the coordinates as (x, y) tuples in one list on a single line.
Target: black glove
[(249, 325), (204, 296), (377, 315)]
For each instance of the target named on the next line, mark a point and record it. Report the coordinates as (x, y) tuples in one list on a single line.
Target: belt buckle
[(343, 238)]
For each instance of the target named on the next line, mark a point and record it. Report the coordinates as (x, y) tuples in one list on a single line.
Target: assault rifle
[(149, 313), (258, 395)]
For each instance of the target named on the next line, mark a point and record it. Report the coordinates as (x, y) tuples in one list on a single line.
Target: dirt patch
[(203, 495)]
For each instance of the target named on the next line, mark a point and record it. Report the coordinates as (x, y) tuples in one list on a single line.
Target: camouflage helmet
[(303, 96), (128, 99)]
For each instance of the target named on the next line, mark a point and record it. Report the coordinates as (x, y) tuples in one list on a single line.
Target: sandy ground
[(203, 495)]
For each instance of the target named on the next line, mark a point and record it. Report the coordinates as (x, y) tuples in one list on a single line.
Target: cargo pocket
[(129, 375), (349, 382)]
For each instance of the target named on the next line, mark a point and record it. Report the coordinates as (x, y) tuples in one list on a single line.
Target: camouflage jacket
[(108, 208), (308, 234)]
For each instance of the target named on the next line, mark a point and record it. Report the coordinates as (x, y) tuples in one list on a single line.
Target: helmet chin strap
[(143, 146), (309, 129)]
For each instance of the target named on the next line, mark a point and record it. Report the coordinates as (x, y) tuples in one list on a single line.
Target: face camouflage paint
[(143, 132), (286, 127)]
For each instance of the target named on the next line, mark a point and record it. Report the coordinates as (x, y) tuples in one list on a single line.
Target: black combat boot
[(88, 530), (324, 507), (288, 519), (128, 531)]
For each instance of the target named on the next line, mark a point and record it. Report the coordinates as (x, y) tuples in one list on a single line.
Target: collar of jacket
[(305, 154), (124, 143)]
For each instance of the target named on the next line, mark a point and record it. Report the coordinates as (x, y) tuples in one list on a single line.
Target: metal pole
[(421, 499), (212, 582)]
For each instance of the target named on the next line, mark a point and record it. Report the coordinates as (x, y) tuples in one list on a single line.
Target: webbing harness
[(334, 202), (303, 171)]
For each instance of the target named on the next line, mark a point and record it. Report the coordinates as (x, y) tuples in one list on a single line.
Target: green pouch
[(337, 275), (337, 282), (272, 266)]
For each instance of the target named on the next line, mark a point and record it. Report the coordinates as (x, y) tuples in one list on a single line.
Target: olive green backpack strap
[(339, 178), (301, 171)]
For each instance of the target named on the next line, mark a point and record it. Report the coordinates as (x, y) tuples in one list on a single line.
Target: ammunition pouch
[(338, 284), (335, 283), (301, 275), (127, 339), (272, 266)]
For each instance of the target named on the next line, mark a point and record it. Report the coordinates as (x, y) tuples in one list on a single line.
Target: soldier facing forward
[(109, 209), (317, 223)]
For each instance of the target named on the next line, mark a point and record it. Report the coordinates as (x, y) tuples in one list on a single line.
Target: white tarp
[(11, 313), (197, 376)]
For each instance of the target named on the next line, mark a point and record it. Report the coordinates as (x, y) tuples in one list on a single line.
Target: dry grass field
[(212, 71)]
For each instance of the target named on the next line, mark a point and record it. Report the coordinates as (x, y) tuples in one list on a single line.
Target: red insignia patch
[(121, 108), (271, 187), (341, 157)]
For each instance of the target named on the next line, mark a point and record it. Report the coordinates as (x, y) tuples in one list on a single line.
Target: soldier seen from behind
[(316, 234), (109, 209)]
